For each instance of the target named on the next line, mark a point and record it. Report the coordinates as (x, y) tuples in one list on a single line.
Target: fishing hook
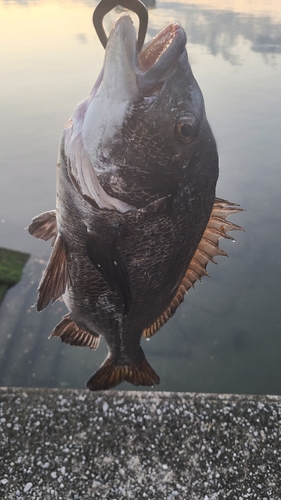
[(106, 6)]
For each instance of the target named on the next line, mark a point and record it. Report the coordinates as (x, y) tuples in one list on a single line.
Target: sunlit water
[(226, 337)]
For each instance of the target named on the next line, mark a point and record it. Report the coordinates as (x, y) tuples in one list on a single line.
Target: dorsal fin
[(70, 333), (207, 249), (55, 279)]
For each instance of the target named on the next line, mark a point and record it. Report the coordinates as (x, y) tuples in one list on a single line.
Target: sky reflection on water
[(226, 337)]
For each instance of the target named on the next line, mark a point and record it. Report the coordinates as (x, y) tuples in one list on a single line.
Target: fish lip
[(152, 66), (120, 63), (159, 57)]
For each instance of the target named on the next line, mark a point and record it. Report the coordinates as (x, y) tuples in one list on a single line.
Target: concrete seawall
[(72, 444)]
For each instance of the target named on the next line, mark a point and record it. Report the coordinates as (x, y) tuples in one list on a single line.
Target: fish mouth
[(152, 66), (159, 56)]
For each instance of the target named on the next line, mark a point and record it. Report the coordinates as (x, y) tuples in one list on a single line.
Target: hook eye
[(106, 6)]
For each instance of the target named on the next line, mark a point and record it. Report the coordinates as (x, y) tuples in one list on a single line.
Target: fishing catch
[(136, 219)]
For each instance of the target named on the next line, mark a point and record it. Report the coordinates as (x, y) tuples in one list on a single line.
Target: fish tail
[(111, 374)]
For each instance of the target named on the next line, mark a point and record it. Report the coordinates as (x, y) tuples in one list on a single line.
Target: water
[(226, 337)]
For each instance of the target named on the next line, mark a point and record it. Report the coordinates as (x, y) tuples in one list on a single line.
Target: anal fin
[(70, 333), (44, 226), (56, 277)]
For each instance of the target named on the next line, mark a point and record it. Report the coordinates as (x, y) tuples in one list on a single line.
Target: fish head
[(144, 125)]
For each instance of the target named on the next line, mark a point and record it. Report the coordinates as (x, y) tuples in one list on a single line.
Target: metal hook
[(106, 6)]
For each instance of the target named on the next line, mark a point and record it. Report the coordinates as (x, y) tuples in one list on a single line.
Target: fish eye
[(186, 128)]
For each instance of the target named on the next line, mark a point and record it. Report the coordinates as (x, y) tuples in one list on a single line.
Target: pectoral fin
[(107, 257), (56, 277), (44, 226)]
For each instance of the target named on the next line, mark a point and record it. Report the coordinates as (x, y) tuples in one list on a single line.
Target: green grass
[(11, 267)]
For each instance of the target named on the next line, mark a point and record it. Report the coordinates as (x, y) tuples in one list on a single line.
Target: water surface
[(226, 337)]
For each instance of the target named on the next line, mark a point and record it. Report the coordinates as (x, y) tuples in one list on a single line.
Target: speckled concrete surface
[(71, 444)]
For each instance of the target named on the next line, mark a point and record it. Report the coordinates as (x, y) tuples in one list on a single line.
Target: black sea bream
[(136, 219)]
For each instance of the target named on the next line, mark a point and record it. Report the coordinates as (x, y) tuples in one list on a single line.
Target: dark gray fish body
[(136, 181)]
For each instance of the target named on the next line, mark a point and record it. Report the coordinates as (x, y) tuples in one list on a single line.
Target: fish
[(137, 219)]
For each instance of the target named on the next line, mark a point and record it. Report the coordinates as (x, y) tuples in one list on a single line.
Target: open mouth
[(159, 56), (158, 45), (153, 64)]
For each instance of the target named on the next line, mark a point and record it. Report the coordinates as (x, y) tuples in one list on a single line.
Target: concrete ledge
[(72, 444)]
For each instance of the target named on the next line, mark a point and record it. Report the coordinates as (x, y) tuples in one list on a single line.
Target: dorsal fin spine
[(208, 247)]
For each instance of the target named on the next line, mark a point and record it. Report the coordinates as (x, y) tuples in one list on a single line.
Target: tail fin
[(110, 374)]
